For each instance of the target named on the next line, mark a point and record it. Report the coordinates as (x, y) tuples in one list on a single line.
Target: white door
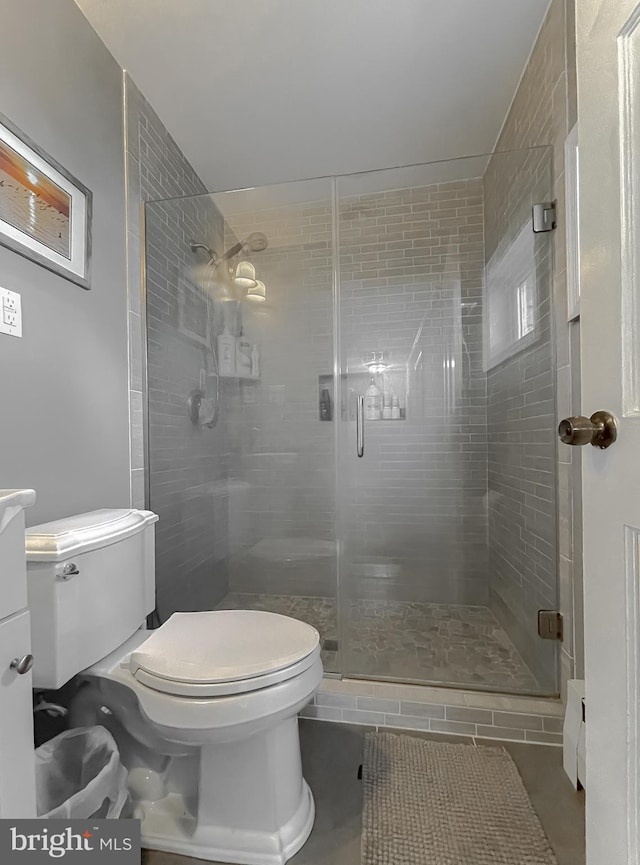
[(608, 43)]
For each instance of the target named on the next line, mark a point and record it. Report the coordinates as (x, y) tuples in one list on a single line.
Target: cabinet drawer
[(17, 773)]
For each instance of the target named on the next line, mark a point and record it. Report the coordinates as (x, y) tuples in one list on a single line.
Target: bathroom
[(334, 365)]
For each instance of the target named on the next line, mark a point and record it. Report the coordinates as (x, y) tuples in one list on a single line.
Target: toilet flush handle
[(70, 569)]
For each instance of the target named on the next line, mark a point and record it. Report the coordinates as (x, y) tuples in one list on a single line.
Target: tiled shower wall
[(187, 467), (520, 420), (411, 267), (542, 113)]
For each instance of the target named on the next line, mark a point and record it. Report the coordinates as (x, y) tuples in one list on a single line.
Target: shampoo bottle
[(255, 362), (372, 402), (244, 351), (227, 353), (325, 404)]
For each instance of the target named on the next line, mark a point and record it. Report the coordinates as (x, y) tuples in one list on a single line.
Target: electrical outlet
[(11, 307)]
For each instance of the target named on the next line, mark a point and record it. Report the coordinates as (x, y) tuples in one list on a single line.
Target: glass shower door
[(446, 456), (241, 360)]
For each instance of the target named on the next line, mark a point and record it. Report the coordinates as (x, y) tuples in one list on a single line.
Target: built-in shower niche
[(388, 384)]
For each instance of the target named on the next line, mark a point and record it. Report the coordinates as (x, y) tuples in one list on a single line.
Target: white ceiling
[(262, 91)]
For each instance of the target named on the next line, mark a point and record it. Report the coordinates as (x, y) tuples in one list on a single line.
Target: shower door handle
[(360, 427)]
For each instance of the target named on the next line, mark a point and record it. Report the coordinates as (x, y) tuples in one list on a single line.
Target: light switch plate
[(10, 312)]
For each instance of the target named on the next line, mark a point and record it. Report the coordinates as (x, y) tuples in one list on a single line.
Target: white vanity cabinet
[(17, 772)]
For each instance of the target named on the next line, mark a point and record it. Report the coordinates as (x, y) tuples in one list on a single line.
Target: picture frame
[(45, 212)]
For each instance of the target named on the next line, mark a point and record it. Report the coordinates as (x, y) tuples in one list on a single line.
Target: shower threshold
[(454, 645)]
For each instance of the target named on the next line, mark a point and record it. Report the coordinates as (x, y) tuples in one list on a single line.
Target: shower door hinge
[(550, 624), (543, 216)]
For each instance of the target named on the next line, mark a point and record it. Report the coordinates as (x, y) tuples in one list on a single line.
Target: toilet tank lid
[(57, 540)]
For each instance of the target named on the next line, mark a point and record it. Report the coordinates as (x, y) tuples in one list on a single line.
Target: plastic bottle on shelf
[(227, 353), (325, 404), (255, 362), (244, 351), (395, 407), (386, 406), (372, 402)]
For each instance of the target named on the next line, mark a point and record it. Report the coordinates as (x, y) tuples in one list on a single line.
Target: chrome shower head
[(256, 242)]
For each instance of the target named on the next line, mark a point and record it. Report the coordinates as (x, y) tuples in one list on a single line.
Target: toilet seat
[(224, 652)]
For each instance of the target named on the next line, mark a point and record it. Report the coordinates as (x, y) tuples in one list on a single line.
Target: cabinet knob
[(22, 665)]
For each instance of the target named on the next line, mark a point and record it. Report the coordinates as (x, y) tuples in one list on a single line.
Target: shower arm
[(255, 242), (233, 251)]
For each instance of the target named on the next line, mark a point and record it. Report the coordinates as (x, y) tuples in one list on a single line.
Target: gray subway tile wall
[(542, 113), (411, 276), (439, 710), (186, 473), (520, 422)]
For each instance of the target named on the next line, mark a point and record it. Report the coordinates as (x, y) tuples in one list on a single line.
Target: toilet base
[(166, 825), (242, 801)]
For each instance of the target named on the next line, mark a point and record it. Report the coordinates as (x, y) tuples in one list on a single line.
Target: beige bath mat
[(435, 803)]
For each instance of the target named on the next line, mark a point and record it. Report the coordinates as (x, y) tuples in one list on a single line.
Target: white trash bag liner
[(79, 775)]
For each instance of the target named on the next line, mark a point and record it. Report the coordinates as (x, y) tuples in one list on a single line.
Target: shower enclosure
[(352, 420)]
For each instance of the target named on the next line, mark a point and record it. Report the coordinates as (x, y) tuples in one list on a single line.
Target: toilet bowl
[(217, 695), (204, 708)]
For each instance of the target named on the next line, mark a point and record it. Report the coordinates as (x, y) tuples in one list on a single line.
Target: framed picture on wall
[(45, 213)]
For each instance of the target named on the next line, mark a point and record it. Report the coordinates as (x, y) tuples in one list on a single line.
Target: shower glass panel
[(447, 445), (240, 366), (351, 415)]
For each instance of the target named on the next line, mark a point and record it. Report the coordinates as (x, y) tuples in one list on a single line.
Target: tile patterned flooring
[(454, 644)]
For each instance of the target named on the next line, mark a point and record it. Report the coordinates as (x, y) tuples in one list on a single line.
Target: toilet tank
[(90, 585)]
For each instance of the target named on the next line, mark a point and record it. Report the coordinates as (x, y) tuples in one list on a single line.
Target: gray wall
[(63, 388)]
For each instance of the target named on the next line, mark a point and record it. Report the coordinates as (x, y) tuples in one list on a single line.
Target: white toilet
[(204, 709)]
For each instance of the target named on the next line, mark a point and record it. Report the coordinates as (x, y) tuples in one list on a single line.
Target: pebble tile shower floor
[(455, 644)]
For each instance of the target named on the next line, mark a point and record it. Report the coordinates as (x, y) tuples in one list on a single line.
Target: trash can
[(79, 775)]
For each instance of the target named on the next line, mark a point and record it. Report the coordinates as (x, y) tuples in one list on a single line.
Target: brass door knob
[(599, 430)]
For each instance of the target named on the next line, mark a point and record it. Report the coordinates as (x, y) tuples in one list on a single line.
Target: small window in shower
[(511, 298), (526, 309)]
